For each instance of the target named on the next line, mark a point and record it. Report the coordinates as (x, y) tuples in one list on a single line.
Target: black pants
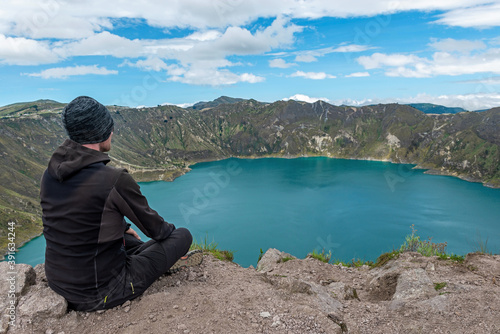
[(146, 262)]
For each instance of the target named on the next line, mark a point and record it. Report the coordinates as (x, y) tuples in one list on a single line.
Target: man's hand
[(132, 232)]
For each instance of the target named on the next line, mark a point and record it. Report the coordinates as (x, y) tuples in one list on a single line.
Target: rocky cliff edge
[(411, 294)]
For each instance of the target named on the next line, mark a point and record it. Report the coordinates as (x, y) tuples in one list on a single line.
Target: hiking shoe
[(192, 258)]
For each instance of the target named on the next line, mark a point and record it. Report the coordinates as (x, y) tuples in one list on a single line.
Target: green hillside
[(160, 143), (28, 108)]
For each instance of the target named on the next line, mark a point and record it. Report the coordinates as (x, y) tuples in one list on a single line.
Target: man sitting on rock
[(93, 258)]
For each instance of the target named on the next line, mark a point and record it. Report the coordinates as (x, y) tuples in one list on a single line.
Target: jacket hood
[(71, 157)]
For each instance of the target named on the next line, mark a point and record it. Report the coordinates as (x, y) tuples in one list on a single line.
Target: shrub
[(426, 248)]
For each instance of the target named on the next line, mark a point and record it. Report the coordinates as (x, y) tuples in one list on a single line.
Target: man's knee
[(185, 235)]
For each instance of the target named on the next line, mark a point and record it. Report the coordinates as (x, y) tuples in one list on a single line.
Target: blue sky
[(145, 53)]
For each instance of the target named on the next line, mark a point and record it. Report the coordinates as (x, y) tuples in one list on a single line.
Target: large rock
[(271, 258), (41, 303), (21, 275), (413, 285), (15, 279), (26, 299)]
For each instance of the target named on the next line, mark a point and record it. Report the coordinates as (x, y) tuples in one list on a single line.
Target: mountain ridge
[(430, 108)]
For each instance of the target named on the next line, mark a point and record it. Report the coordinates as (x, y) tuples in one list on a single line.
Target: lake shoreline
[(428, 170)]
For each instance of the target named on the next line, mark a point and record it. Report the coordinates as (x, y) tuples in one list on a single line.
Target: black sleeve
[(135, 207)]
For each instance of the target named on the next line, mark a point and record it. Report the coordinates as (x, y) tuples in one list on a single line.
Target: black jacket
[(84, 203)]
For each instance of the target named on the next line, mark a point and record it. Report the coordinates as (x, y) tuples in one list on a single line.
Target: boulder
[(21, 275), (41, 303), (271, 258), (413, 285), (15, 279), (27, 299)]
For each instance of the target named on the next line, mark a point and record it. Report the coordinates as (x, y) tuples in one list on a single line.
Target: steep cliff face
[(160, 143), (464, 144)]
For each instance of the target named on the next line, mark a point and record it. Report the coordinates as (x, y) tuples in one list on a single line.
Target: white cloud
[(22, 51), (467, 101), (180, 105), (452, 45), (212, 77), (205, 36), (105, 44), (79, 19), (306, 58), (350, 48), (202, 54), (493, 80), (495, 41), (358, 75), (280, 63), (48, 31), (248, 77), (476, 101), (241, 41), (64, 72), (31, 18), (378, 60), (149, 64), (313, 75), (205, 61), (305, 98), (441, 62), (482, 16)]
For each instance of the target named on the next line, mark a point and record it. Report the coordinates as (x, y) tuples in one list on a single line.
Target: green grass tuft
[(285, 259), (453, 257), (412, 243), (260, 255), (211, 247), (386, 257), (439, 286), (356, 263), (481, 246), (323, 257)]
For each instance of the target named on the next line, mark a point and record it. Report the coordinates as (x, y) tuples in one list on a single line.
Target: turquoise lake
[(355, 209)]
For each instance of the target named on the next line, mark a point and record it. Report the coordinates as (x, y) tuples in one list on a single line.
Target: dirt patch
[(384, 287)]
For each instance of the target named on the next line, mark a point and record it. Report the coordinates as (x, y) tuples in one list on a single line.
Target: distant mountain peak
[(20, 108), (430, 108), (218, 101)]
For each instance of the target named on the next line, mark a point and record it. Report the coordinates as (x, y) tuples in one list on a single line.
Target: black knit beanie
[(87, 121)]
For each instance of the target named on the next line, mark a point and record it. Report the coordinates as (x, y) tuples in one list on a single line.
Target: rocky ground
[(296, 296)]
